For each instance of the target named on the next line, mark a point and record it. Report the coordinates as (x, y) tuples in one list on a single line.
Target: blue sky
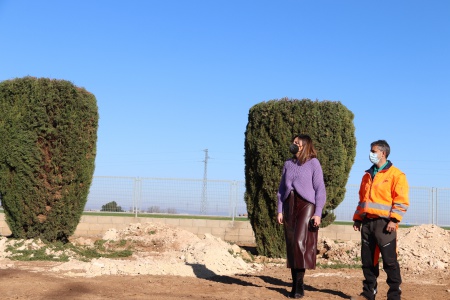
[(173, 78)]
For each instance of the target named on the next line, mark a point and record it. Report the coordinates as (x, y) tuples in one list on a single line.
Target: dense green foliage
[(48, 131), (270, 129)]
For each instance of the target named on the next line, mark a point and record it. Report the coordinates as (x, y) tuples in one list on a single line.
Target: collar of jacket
[(388, 165)]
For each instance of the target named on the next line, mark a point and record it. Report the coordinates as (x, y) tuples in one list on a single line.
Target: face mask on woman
[(293, 149), (374, 158)]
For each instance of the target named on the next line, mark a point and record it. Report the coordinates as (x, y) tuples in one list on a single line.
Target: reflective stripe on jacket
[(384, 196)]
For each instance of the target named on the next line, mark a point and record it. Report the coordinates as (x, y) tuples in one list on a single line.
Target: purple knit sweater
[(306, 180)]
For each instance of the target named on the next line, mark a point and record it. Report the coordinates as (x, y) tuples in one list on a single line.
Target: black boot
[(298, 290), (300, 285)]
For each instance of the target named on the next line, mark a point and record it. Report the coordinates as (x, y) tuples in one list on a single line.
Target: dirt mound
[(163, 250), (160, 249), (424, 248), (420, 249)]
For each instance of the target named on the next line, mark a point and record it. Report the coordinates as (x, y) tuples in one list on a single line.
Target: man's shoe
[(295, 296), (359, 297)]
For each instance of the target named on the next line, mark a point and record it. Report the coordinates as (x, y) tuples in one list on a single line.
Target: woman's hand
[(280, 218), (316, 221)]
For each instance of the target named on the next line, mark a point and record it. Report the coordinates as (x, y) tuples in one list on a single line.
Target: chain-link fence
[(173, 196), (226, 198), (427, 206)]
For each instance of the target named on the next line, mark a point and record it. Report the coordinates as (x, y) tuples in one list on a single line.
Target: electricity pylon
[(205, 183)]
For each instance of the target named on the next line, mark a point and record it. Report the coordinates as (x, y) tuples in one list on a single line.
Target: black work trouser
[(375, 239)]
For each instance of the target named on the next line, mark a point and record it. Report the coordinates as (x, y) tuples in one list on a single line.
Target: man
[(383, 200)]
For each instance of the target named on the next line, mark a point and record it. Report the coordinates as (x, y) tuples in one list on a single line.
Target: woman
[(301, 197)]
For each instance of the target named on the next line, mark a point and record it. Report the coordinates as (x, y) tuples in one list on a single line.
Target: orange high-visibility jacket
[(384, 196)]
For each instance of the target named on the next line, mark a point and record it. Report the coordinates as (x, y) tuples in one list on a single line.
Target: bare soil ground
[(271, 282), (172, 264)]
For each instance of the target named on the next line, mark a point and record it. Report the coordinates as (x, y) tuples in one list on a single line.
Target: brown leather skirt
[(301, 241)]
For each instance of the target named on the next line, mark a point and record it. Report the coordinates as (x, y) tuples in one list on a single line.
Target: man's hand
[(280, 218), (357, 226), (391, 226)]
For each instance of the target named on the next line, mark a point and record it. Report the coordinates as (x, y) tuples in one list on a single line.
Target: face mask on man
[(293, 149), (374, 158)]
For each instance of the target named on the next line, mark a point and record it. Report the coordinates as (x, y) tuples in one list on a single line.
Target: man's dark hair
[(383, 146)]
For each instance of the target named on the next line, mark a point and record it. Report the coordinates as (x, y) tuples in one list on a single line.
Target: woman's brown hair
[(308, 151)]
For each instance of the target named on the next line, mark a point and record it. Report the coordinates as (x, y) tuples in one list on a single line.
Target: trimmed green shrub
[(48, 131), (270, 129)]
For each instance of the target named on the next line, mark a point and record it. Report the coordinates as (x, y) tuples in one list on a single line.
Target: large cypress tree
[(48, 131), (270, 129)]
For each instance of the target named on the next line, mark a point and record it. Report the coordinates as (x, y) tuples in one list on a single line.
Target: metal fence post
[(137, 191), (432, 204), (435, 213), (233, 200)]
